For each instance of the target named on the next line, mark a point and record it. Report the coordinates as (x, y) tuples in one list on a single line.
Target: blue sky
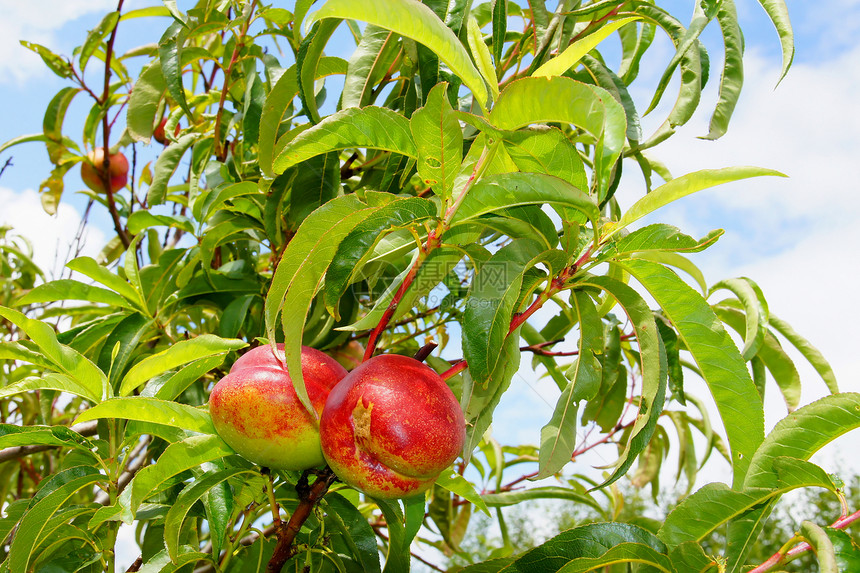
[(796, 237)]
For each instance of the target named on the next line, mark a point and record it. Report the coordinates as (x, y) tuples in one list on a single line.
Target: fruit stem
[(309, 495), (425, 351), (270, 493), (454, 370)]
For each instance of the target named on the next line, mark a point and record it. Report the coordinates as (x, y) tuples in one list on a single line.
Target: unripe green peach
[(391, 427), (256, 410), (92, 168)]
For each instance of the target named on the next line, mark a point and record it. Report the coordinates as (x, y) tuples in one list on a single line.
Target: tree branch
[(309, 495)]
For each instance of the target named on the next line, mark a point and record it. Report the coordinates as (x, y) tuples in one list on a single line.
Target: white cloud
[(37, 22), (50, 235)]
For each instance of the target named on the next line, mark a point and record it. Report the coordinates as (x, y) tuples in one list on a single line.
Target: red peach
[(159, 135), (255, 408), (92, 168), (391, 427)]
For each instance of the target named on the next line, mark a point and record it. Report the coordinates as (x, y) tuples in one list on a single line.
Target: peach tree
[(446, 192)]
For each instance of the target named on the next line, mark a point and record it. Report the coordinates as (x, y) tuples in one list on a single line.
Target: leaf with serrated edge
[(683, 186)]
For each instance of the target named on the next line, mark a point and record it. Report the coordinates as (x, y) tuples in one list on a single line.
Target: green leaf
[(637, 553), (152, 410), (358, 533), (143, 102), (177, 383), (182, 352), (799, 436), (755, 309), (413, 20), (683, 186), (358, 245), (51, 381), (558, 437), (141, 220), (587, 541), (509, 498), (654, 368), (439, 140), (821, 545), (299, 275), (661, 238), (492, 301), (307, 59), (277, 101), (575, 51), (13, 436), (88, 267), (479, 401), (170, 55), (208, 203), (37, 517), (732, 78), (812, 354), (369, 127), (719, 361), (709, 508), (96, 36), (23, 139), (165, 167), (458, 485), (535, 100), (190, 495), (778, 12), (772, 355), (64, 359), (52, 124), (69, 289), (481, 55), (176, 458), (546, 150), (512, 189), (59, 65), (367, 66)]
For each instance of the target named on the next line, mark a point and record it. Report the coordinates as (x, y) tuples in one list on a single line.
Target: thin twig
[(6, 454)]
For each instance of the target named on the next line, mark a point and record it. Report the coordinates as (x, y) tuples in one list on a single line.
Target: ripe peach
[(255, 408), (391, 427), (92, 168)]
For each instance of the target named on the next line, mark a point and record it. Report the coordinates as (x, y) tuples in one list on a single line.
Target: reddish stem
[(777, 557), (309, 496), (454, 370)]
